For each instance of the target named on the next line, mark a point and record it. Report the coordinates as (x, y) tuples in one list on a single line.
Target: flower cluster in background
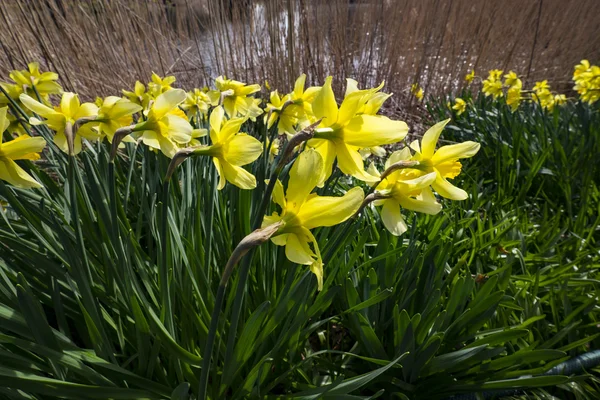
[(585, 76)]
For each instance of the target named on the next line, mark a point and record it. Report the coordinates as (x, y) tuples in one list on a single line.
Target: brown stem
[(398, 165), (70, 137), (177, 159), (118, 138)]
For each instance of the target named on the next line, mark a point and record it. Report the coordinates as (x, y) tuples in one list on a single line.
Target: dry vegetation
[(100, 46)]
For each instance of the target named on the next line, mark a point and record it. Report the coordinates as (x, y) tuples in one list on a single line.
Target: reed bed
[(98, 46)]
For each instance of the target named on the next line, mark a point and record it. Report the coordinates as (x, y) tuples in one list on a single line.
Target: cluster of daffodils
[(209, 122), (587, 81), (585, 76)]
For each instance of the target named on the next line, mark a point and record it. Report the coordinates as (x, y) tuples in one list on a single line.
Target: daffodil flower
[(231, 150), (399, 192), (166, 126), (21, 148), (196, 102), (292, 110), (235, 97), (139, 95), (511, 79), (342, 132), (44, 82), (460, 106), (69, 111), (302, 211), (159, 85), (444, 162), (470, 76), (417, 91), (113, 113)]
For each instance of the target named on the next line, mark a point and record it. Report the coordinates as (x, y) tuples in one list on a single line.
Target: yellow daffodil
[(444, 162), (292, 110), (69, 110), (541, 86), (342, 132), (460, 106), (139, 95), (560, 99), (371, 100), (470, 76), (21, 148), (495, 74), (511, 79), (376, 151), (231, 150), (302, 211), (158, 85), (166, 126), (543, 95), (236, 100), (417, 91), (513, 97), (399, 191), (492, 88), (113, 113), (196, 102), (44, 82), (587, 81), (273, 148)]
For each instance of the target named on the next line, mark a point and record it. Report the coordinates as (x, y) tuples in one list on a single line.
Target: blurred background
[(101, 46)]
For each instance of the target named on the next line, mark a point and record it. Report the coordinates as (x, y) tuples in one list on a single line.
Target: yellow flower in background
[(158, 85), (412, 193), (460, 106), (273, 148), (231, 150), (511, 79), (560, 99), (69, 110), (541, 86), (113, 113), (513, 97), (236, 100), (376, 151), (470, 76), (44, 82), (280, 109), (21, 148), (139, 95), (291, 111), (342, 132), (587, 81), (167, 126), (495, 74), (417, 91), (302, 211), (444, 162), (196, 102)]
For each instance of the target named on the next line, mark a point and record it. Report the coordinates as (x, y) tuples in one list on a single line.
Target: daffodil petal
[(297, 250), (167, 101), (304, 176), (317, 268), (238, 176), (299, 85), (278, 195), (329, 211), (36, 106), (85, 110), (180, 130), (124, 107), (324, 104), (351, 163), (455, 151), (374, 130), (21, 147), (422, 206), (430, 138), (448, 190), (216, 120), (230, 128), (243, 149), (15, 175), (392, 218), (4, 122), (396, 156), (221, 173), (69, 103)]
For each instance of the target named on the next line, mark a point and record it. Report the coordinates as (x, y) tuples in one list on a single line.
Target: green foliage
[(107, 293)]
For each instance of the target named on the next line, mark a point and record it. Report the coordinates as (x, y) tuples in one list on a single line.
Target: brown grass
[(101, 46)]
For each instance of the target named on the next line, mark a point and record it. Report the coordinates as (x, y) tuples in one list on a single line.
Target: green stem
[(163, 269)]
